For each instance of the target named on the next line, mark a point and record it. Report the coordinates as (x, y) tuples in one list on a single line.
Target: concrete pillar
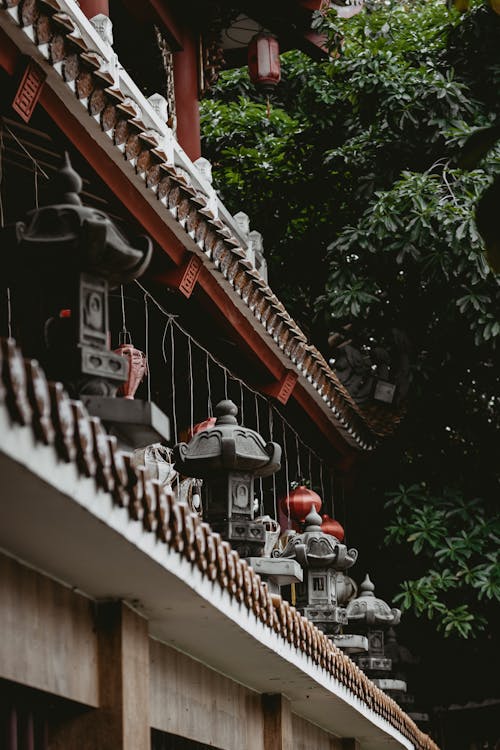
[(277, 722), (122, 720)]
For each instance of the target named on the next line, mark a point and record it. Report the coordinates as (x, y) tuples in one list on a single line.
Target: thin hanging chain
[(225, 383), (321, 481), (310, 470)]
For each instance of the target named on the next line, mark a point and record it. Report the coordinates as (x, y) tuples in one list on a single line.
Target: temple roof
[(73, 55)]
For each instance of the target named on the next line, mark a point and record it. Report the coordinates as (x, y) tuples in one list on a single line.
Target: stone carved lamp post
[(228, 457), (373, 617), (61, 264), (324, 559)]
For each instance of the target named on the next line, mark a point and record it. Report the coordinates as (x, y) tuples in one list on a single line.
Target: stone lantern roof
[(315, 549), (367, 609), (227, 446)]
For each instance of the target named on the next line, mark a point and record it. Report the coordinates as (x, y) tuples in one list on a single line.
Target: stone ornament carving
[(104, 27)]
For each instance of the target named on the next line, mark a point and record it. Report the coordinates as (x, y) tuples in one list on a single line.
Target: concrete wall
[(47, 635), (101, 656)]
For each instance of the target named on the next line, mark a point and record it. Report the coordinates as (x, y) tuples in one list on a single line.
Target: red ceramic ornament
[(207, 424), (138, 367), (299, 503), (332, 527)]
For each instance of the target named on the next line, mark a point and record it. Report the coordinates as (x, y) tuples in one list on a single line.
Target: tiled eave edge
[(71, 52), (45, 412)]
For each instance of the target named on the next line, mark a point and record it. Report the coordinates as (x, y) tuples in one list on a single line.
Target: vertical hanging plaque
[(29, 91)]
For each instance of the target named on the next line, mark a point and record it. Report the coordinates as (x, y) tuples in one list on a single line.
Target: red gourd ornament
[(332, 527), (299, 503)]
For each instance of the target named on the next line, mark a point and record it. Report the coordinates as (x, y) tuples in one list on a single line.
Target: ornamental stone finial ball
[(226, 412)]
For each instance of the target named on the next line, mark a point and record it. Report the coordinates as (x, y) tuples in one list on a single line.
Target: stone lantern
[(373, 617), (61, 264), (324, 559), (228, 457)]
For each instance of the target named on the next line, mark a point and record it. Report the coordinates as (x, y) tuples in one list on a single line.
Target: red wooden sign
[(29, 91), (190, 276), (286, 387)]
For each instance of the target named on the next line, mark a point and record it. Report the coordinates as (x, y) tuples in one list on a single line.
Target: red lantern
[(207, 424), (264, 61), (332, 527), (300, 502)]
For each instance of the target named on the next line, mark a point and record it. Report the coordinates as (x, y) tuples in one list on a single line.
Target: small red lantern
[(264, 61), (207, 424), (300, 502), (332, 527)]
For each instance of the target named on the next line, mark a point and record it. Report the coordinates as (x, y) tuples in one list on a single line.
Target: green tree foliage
[(353, 177)]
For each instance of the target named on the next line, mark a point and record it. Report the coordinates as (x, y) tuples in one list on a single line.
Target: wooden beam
[(278, 733), (122, 720)]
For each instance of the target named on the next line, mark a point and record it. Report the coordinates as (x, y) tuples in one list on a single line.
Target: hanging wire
[(9, 314), (13, 135), (2, 216), (310, 470), (271, 435), (124, 323), (299, 469), (191, 386), (287, 478), (172, 319), (146, 321), (172, 365), (344, 519), (322, 484), (242, 405), (332, 495), (257, 428), (35, 173), (209, 388)]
